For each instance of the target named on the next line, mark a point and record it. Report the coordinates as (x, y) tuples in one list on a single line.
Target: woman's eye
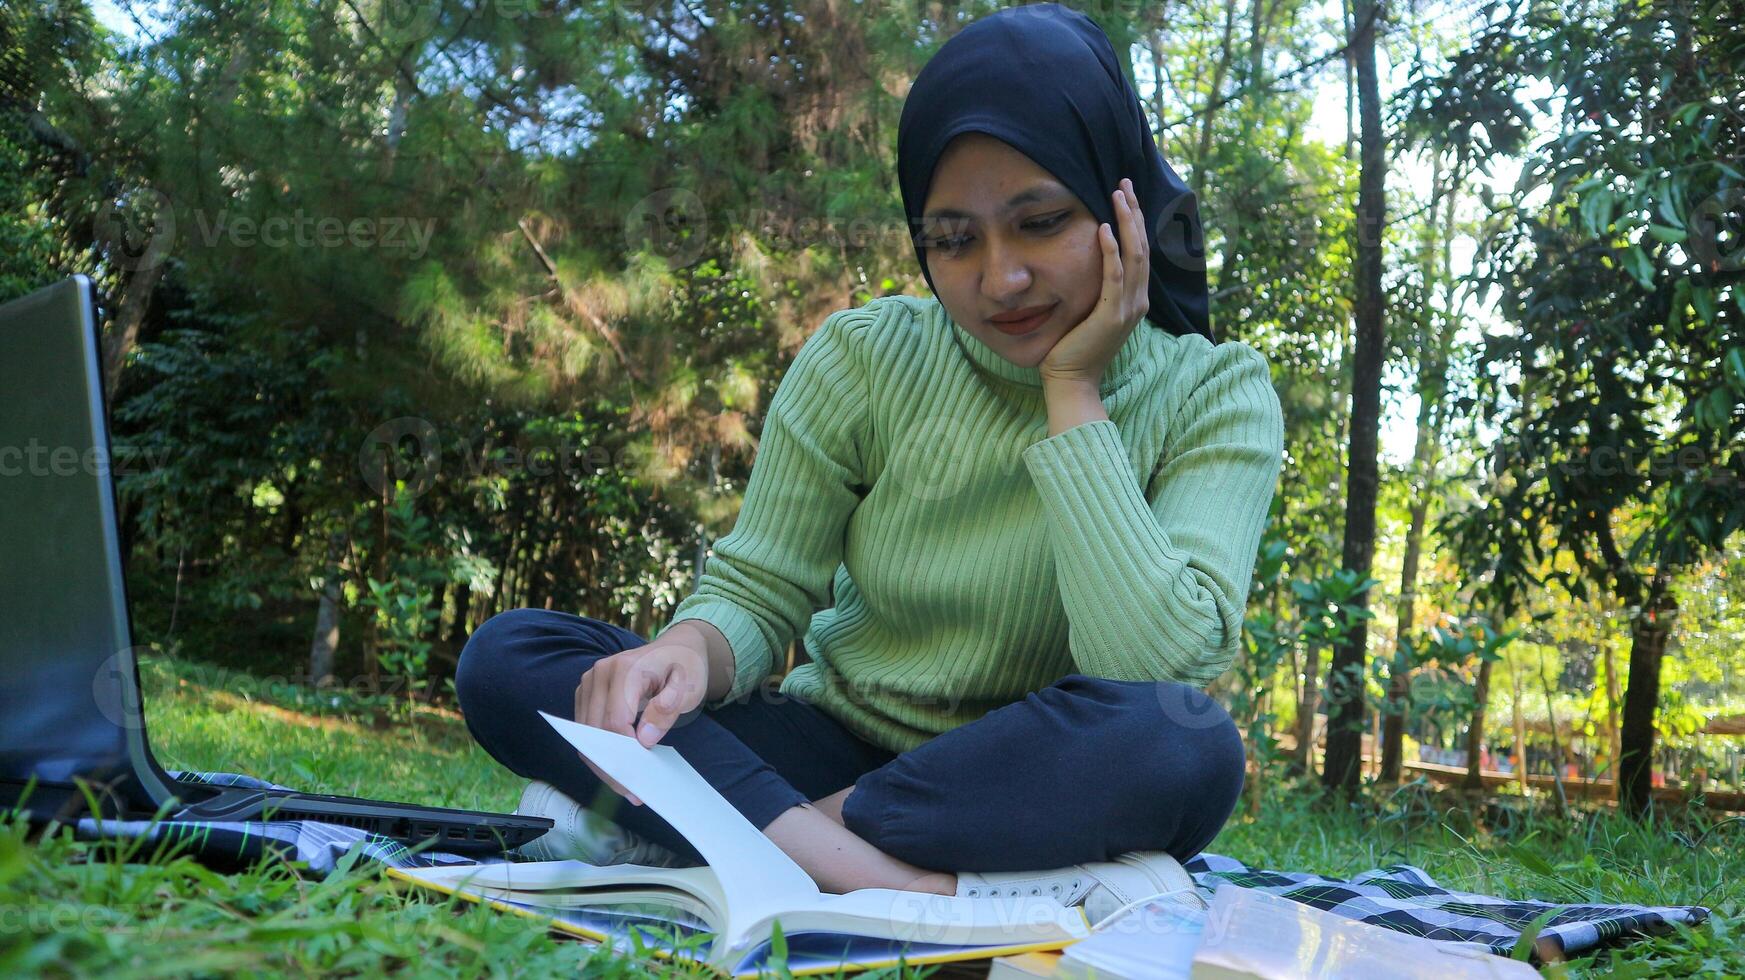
[(956, 242)]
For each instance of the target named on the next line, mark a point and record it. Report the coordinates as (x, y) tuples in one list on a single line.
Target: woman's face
[(1003, 236)]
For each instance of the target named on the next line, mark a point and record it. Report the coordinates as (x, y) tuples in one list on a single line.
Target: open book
[(725, 914)]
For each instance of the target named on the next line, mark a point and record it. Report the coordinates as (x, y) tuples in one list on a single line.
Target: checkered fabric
[(1403, 897), (1398, 896)]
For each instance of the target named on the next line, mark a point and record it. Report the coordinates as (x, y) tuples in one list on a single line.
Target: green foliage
[(27, 245), (1328, 609), (1613, 260), (1436, 663), (405, 604), (1267, 644), (1613, 393)]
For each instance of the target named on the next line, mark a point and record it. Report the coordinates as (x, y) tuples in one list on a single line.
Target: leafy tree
[(1621, 385), (1345, 716)]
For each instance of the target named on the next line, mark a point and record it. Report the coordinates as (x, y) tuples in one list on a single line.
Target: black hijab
[(1044, 80)]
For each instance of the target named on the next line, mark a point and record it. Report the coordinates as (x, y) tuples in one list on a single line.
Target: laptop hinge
[(225, 803)]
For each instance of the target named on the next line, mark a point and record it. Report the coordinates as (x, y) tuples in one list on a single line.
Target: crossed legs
[(528, 659), (841, 861), (1079, 771)]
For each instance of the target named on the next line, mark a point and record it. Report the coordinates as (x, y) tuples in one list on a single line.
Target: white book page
[(1155, 941), (549, 882), (923, 917), (538, 876), (756, 877)]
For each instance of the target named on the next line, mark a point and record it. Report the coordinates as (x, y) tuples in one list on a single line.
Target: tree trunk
[(404, 90), (1350, 81), (440, 662), (1375, 743), (531, 573), (702, 557), (1399, 688), (1214, 97), (1306, 704), (457, 630), (374, 668), (1614, 701), (1345, 679), (1474, 781), (124, 328), (1426, 455), (293, 525), (325, 641), (1556, 745), (1520, 732), (129, 521), (506, 577), (1649, 630), (1259, 19)]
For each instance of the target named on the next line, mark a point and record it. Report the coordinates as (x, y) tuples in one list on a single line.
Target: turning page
[(757, 878)]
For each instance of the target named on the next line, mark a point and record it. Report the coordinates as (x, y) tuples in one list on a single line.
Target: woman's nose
[(1005, 272)]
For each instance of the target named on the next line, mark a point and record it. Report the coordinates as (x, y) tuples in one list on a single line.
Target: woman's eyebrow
[(1022, 197)]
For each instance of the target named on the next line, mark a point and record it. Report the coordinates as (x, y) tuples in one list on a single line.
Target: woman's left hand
[(1082, 353)]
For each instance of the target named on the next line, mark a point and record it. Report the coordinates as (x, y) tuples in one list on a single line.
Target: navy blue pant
[(1083, 770)]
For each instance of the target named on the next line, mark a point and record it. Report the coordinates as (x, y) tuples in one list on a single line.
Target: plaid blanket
[(1403, 897), (1398, 896)]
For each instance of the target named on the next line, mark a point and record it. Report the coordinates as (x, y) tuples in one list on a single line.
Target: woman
[(1032, 514)]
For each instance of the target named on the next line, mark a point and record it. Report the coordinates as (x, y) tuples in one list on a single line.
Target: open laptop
[(70, 702)]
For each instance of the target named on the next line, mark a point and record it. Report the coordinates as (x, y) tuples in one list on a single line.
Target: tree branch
[(599, 324)]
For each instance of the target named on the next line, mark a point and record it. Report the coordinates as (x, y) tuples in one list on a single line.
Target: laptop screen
[(69, 701)]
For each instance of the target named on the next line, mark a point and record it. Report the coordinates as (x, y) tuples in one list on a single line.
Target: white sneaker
[(1101, 887), (580, 834)]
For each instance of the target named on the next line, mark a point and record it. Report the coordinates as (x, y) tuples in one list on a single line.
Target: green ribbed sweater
[(946, 556)]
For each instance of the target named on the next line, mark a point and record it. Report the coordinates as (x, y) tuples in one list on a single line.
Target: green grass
[(69, 908)]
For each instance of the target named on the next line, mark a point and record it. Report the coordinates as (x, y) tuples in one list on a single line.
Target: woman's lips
[(1013, 328)]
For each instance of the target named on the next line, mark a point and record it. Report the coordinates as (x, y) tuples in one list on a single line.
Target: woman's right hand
[(661, 679)]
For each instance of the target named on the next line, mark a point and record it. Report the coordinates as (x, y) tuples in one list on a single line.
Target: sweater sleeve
[(768, 575), (1156, 590)]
